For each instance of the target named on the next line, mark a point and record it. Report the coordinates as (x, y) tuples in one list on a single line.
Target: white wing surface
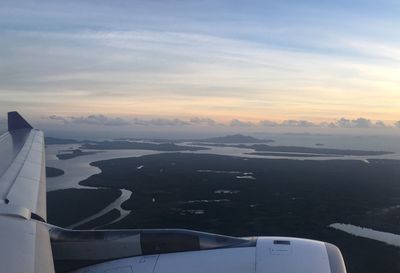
[(25, 243)]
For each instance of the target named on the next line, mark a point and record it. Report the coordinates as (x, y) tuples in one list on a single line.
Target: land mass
[(73, 153), (288, 154), (229, 139), (283, 198), (124, 145), (53, 172), (238, 138), (55, 141), (300, 149)]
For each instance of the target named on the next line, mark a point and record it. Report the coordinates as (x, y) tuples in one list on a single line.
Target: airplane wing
[(28, 244), (24, 241)]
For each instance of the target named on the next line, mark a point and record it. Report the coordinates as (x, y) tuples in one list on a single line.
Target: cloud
[(91, 120), (268, 123), (360, 123), (58, 118), (298, 123), (177, 122), (90, 60), (341, 123), (100, 120), (290, 123), (326, 124), (381, 124), (103, 120), (239, 123), (204, 121), (160, 122), (355, 123)]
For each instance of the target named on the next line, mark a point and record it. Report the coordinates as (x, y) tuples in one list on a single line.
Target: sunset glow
[(264, 60)]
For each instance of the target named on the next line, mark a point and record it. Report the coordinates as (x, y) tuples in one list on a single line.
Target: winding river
[(78, 168), (385, 237)]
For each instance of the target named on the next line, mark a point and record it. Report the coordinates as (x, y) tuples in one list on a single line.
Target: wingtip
[(16, 122)]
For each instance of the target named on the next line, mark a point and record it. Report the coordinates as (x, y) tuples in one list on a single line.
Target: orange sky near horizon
[(297, 63)]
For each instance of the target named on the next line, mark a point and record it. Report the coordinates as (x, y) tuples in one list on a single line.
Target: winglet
[(15, 122)]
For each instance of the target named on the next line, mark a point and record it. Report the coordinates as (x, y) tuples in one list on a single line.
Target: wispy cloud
[(293, 60)]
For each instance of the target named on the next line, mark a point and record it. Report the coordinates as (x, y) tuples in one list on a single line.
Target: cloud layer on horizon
[(103, 120)]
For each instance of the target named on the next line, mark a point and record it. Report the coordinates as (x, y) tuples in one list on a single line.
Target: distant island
[(238, 138), (60, 141), (229, 139), (289, 154), (120, 144), (299, 149), (322, 151), (73, 153), (123, 145), (235, 141)]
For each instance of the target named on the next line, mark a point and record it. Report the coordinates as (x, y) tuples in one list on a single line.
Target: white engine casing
[(270, 255)]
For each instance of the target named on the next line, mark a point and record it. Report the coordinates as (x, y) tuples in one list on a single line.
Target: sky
[(267, 65)]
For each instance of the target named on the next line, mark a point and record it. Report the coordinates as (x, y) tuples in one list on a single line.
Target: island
[(299, 149), (124, 145), (58, 141), (233, 139), (289, 154), (237, 138), (68, 154), (53, 172), (322, 151)]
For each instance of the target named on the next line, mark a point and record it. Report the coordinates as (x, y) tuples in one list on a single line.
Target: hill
[(237, 138)]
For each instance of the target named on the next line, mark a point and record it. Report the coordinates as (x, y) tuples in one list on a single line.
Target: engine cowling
[(269, 255)]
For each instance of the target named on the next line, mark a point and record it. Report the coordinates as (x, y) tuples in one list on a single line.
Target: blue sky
[(253, 61)]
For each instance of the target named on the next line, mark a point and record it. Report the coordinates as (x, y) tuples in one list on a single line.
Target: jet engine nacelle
[(268, 255)]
